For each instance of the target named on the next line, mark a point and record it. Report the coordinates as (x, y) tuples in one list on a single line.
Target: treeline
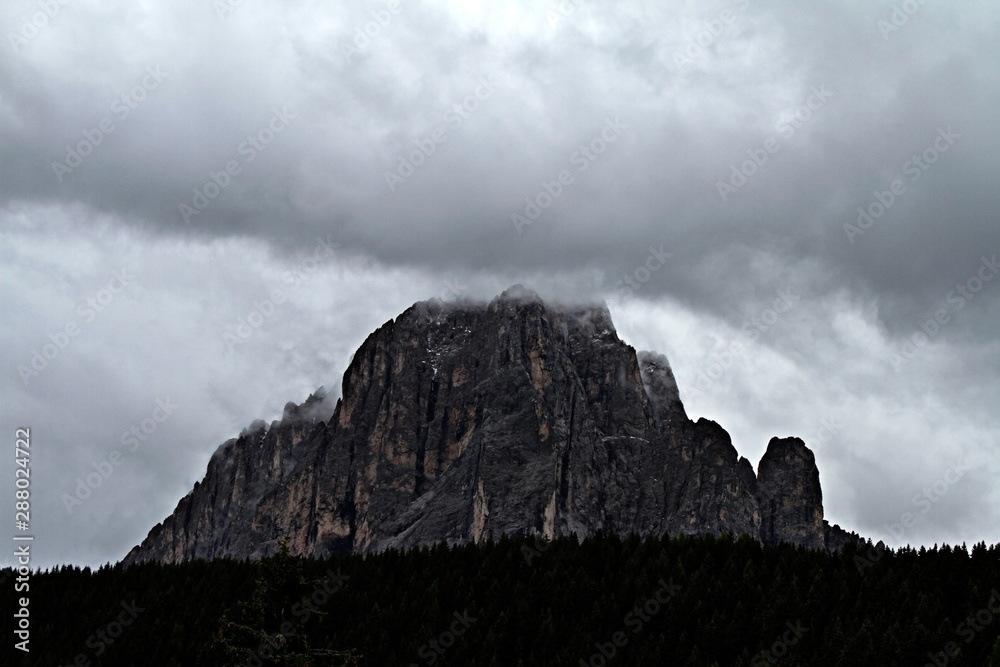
[(606, 601)]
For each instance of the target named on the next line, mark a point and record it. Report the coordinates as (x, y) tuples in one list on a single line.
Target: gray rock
[(462, 422), (791, 501)]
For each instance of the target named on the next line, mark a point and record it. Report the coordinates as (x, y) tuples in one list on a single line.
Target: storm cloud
[(796, 204)]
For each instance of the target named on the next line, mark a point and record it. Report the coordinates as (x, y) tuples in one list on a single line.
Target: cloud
[(409, 134)]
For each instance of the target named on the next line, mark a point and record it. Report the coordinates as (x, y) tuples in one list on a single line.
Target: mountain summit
[(461, 422)]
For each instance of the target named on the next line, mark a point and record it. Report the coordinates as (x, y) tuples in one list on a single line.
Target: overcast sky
[(206, 207)]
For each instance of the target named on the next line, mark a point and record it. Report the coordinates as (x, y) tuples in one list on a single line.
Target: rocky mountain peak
[(519, 294), (789, 493), (460, 422), (661, 387)]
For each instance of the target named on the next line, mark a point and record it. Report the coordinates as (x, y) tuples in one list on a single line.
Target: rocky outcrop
[(791, 501), (232, 510), (463, 422)]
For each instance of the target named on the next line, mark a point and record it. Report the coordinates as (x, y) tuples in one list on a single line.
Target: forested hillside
[(607, 600)]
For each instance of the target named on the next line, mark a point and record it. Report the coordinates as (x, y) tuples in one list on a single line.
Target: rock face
[(464, 422), (789, 494)]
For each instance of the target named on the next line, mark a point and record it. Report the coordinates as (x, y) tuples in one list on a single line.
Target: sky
[(206, 207)]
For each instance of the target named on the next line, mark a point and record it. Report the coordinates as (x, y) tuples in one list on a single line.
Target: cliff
[(463, 422)]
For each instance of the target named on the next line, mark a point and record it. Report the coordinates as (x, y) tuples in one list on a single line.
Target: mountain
[(466, 421)]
